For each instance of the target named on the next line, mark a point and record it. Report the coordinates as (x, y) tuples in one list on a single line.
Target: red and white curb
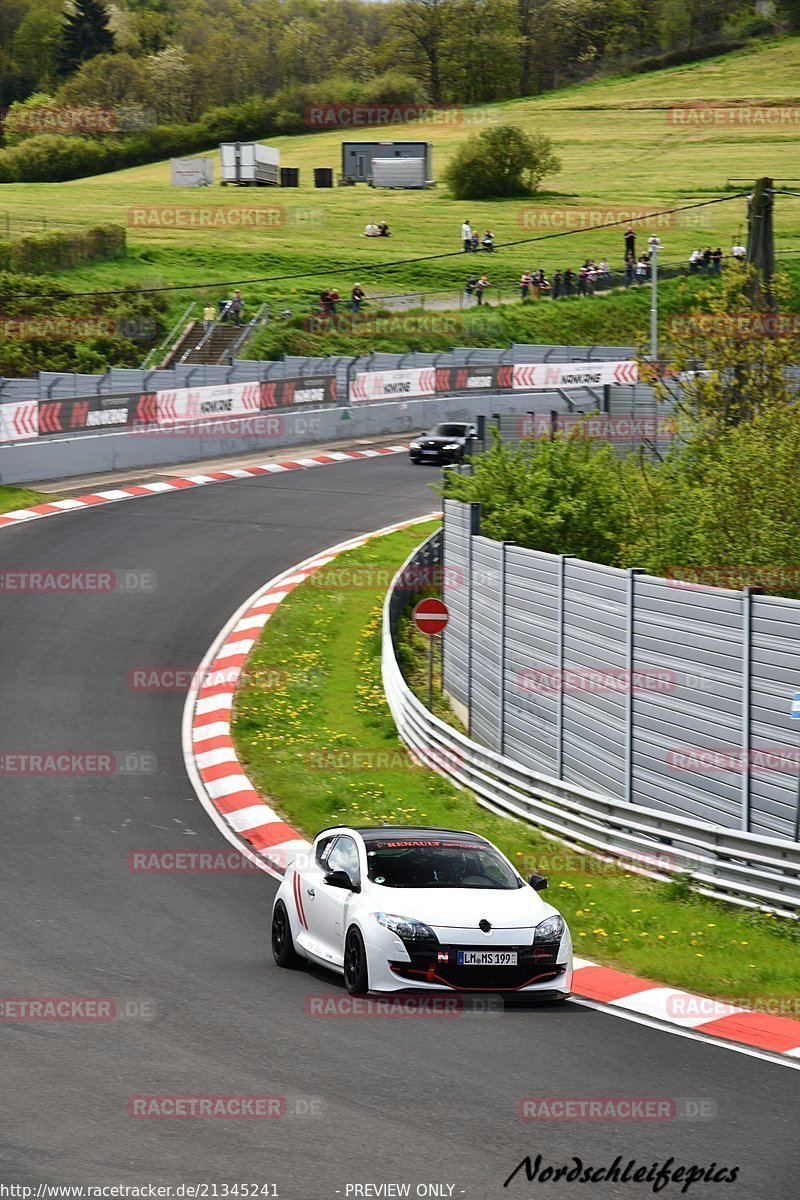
[(224, 790), (247, 821), (179, 483)]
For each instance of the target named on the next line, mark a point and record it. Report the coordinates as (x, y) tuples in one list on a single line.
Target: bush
[(59, 250), (500, 162)]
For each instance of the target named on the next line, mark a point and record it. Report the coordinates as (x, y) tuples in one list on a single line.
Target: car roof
[(373, 833), (379, 833)]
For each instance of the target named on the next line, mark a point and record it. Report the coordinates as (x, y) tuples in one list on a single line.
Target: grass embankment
[(12, 497), (324, 747), (619, 148)]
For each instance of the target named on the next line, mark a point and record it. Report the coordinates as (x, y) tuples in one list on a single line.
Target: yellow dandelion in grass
[(636, 910), (626, 939), (644, 935), (661, 937), (744, 943), (699, 955)]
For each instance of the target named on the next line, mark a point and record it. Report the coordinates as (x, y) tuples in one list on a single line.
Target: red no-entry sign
[(430, 616)]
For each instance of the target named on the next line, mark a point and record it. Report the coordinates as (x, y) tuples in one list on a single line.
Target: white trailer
[(249, 164), (398, 172), (191, 172)]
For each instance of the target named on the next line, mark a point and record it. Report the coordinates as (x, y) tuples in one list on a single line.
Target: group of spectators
[(472, 241), (329, 298), (233, 308), (379, 230)]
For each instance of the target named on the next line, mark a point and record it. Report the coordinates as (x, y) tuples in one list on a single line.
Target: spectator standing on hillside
[(480, 288), (470, 285), (642, 268), (695, 258), (716, 261), (569, 280), (237, 307), (357, 298), (558, 283), (605, 271), (630, 243), (488, 241), (466, 236), (583, 275), (333, 300), (209, 316), (630, 270), (325, 302), (540, 284), (739, 252), (525, 281), (707, 260)]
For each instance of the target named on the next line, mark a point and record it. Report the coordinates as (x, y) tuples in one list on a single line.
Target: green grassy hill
[(619, 150)]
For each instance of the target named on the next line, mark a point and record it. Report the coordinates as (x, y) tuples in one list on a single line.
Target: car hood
[(460, 908)]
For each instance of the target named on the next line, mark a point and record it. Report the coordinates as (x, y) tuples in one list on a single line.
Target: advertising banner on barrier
[(19, 421), (473, 378), (85, 416), (311, 391), (190, 404), (537, 376), (389, 385)]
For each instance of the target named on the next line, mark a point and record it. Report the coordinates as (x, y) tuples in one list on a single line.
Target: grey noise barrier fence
[(592, 767)]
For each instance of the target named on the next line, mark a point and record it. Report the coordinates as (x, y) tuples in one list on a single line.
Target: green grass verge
[(313, 700), (13, 497)]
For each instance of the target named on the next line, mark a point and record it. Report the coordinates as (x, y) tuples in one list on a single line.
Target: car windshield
[(434, 863), (449, 431)]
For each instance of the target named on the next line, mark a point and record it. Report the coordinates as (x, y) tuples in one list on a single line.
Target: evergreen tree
[(86, 34)]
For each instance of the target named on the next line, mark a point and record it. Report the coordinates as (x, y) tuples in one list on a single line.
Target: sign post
[(430, 617), (794, 713)]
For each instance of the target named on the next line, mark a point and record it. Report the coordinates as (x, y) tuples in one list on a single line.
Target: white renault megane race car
[(403, 909)]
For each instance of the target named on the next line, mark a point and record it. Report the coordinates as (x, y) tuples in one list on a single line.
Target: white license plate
[(487, 958)]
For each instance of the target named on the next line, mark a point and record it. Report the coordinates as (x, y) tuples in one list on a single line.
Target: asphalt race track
[(369, 1101)]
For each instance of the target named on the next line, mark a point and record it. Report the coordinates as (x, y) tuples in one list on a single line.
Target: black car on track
[(445, 443)]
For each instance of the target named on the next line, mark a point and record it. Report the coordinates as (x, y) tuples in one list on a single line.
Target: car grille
[(535, 964)]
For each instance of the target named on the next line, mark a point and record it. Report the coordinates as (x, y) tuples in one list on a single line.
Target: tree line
[(180, 58)]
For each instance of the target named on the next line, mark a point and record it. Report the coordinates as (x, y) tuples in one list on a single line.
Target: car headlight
[(413, 445), (550, 930), (406, 928)]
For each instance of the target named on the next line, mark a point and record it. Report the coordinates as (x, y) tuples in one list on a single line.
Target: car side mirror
[(340, 879), (538, 882)]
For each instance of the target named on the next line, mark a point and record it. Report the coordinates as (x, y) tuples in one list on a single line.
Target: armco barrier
[(743, 868)]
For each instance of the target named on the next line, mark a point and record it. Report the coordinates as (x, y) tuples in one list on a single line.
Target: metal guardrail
[(169, 339), (742, 868)]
